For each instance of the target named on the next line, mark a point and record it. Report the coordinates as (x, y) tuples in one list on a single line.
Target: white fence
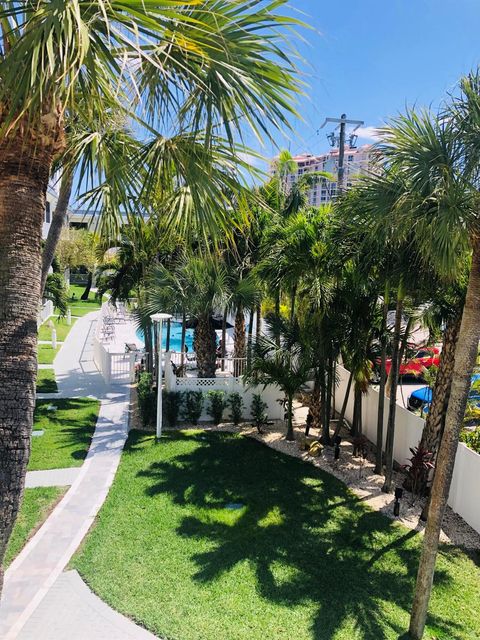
[(45, 312), (272, 395), (464, 496), (115, 367)]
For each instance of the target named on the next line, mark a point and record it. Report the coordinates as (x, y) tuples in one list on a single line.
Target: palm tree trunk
[(86, 293), (239, 349), (465, 359), (167, 341), (315, 408), (435, 422), (24, 174), (341, 417), (357, 411), (250, 336), (290, 434), (182, 339), (328, 403), (224, 338), (381, 391), (205, 347), (148, 348), (258, 328), (393, 393), (58, 221)]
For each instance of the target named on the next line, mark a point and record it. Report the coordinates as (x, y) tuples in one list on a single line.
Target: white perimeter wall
[(465, 490)]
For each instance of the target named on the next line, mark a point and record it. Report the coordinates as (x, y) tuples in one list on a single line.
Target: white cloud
[(252, 160), (369, 133)]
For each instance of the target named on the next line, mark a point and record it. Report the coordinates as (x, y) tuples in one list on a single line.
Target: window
[(350, 158), (48, 218)]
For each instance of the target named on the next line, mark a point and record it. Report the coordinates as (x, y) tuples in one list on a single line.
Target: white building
[(50, 204), (357, 163)]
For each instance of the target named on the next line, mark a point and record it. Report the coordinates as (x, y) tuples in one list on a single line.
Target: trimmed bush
[(172, 401), (216, 405), (192, 406), (259, 414), (235, 402), (146, 399)]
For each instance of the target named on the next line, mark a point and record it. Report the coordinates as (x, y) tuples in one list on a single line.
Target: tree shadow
[(70, 429), (346, 560)]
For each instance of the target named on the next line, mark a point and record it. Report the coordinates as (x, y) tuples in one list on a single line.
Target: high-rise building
[(357, 163)]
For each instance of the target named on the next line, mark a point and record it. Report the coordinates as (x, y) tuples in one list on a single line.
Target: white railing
[(45, 312), (188, 364), (115, 367), (464, 496)]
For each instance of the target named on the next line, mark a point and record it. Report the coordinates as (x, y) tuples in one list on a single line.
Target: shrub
[(146, 399), (418, 470), (259, 414), (235, 402), (471, 439), (192, 406), (172, 401), (216, 405)]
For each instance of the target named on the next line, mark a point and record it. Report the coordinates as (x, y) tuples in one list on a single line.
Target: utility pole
[(340, 140)]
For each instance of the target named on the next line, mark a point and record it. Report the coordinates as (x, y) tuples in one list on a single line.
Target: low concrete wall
[(464, 496)]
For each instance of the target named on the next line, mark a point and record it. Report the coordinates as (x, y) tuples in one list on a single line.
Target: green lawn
[(77, 292), (37, 504), (61, 327), (68, 432), (46, 382), (302, 559), (46, 353), (79, 312)]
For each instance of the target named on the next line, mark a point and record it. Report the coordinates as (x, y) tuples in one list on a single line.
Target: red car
[(424, 359)]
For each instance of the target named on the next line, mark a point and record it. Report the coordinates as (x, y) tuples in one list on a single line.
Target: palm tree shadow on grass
[(342, 557)]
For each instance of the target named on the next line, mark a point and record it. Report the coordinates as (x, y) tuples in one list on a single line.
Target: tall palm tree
[(441, 156), (153, 62)]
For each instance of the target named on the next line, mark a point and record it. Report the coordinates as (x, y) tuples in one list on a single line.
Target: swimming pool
[(175, 337)]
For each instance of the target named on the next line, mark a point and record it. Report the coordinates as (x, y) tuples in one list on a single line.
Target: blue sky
[(370, 58)]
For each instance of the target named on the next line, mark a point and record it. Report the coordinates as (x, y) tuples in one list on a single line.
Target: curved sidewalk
[(39, 566)]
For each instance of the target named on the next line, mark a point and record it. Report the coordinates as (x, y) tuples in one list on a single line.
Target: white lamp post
[(159, 318)]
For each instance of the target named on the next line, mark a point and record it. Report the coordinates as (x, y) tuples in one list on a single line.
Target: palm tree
[(154, 63), (287, 366), (243, 295), (208, 287), (441, 156)]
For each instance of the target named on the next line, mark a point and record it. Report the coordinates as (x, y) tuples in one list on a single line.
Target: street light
[(159, 318)]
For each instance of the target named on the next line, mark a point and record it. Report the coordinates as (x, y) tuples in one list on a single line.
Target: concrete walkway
[(31, 582), (52, 477), (89, 618)]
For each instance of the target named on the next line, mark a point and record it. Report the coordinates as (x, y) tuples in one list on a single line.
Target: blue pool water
[(175, 337)]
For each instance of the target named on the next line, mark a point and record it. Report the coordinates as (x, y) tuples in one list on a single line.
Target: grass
[(302, 558), (46, 353), (46, 382), (82, 311), (77, 291), (61, 327), (36, 506), (68, 433)]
